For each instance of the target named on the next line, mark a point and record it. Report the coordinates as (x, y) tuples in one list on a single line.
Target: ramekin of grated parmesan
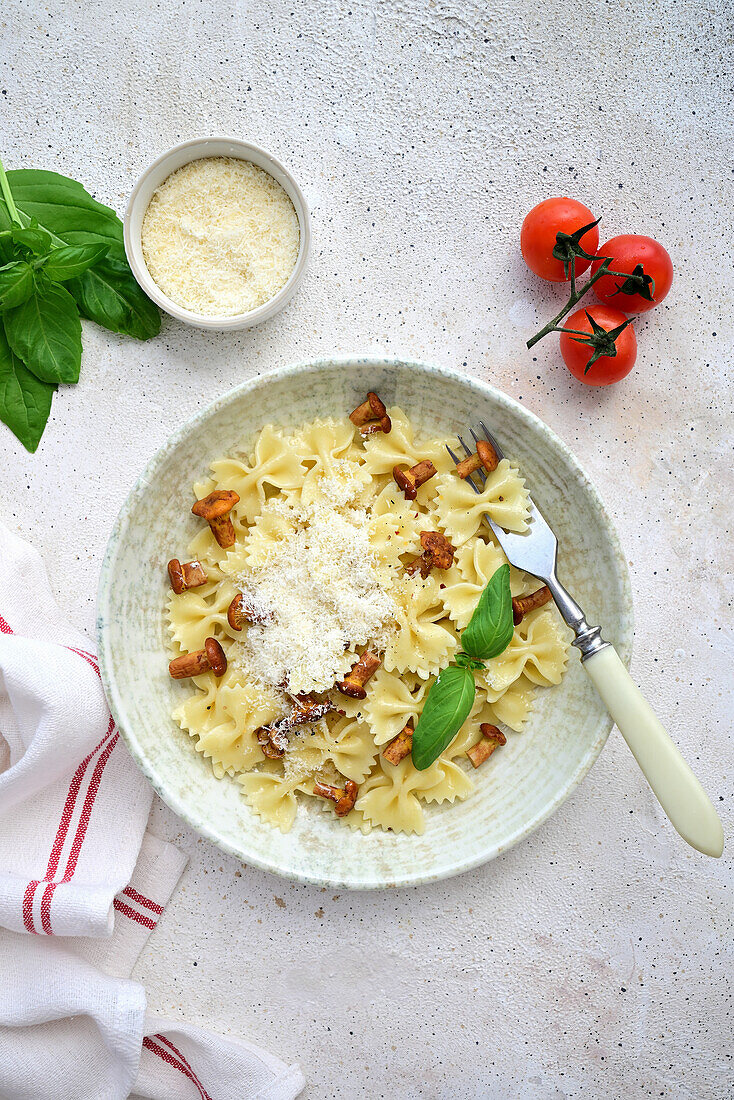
[(217, 232)]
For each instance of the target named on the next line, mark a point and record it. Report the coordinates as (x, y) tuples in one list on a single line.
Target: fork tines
[(457, 460), (490, 439)]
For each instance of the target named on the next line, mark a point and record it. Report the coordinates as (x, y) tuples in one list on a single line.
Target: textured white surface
[(595, 959)]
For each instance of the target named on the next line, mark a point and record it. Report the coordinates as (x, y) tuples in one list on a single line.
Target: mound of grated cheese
[(322, 582), (220, 236)]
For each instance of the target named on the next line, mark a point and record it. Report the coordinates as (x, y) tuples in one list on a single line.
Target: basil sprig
[(450, 699), (52, 233)]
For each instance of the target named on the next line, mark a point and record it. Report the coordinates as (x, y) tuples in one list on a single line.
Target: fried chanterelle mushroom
[(353, 684), (183, 577), (211, 658), (215, 509), (484, 457), (371, 416), (343, 797), (521, 605), (400, 746), (492, 738), (411, 480), (438, 553)]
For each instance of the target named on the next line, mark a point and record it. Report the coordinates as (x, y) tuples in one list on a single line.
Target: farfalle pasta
[(333, 572), (461, 511)]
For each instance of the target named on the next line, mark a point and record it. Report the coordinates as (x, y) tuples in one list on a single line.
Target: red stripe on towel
[(30, 891), (88, 657), (177, 1052), (81, 830), (133, 914), (67, 814), (169, 1058), (61, 834), (142, 900)]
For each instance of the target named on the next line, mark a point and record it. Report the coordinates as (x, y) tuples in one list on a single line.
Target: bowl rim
[(140, 269), (623, 643)]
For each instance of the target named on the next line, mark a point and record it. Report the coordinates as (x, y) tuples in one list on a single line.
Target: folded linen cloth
[(75, 862)]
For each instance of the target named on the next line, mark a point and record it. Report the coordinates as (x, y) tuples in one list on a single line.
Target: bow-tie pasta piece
[(276, 464), (400, 447), (424, 641), (538, 648), (547, 648), (393, 701), (451, 783), (326, 451), (461, 511), (475, 564), (273, 525), (271, 796), (351, 748), (308, 751), (391, 797), (223, 716), (507, 706), (201, 613), (395, 524)]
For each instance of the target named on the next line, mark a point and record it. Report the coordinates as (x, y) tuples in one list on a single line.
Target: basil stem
[(8, 196)]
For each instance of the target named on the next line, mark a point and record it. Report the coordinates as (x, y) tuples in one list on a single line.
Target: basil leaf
[(108, 294), (447, 707), (62, 207), (72, 260), (490, 628), (37, 240), (16, 284), (7, 252), (25, 401), (46, 333)]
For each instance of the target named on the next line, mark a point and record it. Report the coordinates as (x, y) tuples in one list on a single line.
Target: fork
[(673, 783)]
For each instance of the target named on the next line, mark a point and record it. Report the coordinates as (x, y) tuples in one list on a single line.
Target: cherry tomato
[(538, 236), (627, 252), (607, 368)]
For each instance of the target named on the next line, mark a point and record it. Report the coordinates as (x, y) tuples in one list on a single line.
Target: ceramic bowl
[(525, 783), (159, 171)]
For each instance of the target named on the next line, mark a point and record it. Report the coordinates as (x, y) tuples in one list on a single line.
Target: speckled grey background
[(593, 960)]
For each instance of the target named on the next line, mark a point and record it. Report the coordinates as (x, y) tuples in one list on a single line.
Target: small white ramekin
[(154, 176)]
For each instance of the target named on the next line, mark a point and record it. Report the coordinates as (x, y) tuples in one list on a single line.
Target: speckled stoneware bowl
[(521, 786)]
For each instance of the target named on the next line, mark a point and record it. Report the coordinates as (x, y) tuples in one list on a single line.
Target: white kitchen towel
[(78, 894), (74, 1027), (73, 805)]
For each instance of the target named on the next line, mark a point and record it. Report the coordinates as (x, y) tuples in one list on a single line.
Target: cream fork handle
[(673, 783)]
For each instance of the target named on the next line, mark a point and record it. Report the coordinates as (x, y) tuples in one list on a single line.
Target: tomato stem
[(577, 294), (575, 297)]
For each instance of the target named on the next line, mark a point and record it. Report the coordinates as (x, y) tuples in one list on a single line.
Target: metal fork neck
[(588, 638)]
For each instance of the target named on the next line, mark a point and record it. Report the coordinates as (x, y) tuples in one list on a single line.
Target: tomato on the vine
[(604, 328), (539, 237), (641, 256)]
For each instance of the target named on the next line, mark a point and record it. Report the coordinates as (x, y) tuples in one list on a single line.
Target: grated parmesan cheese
[(220, 236), (322, 583)]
